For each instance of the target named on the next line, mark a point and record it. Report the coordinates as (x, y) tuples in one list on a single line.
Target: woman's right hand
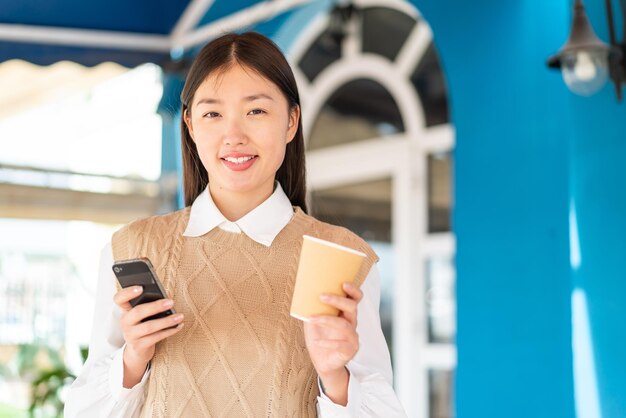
[(141, 337)]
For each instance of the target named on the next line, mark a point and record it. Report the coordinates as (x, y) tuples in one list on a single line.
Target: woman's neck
[(235, 205)]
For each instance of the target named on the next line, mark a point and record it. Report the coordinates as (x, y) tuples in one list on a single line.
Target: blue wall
[(526, 148)]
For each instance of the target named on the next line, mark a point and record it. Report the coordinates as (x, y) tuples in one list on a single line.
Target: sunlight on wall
[(574, 240), (585, 381)]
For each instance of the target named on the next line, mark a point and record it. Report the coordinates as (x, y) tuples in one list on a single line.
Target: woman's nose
[(235, 132)]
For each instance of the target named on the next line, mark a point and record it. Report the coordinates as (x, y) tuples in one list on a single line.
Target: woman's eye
[(256, 112), (211, 115)]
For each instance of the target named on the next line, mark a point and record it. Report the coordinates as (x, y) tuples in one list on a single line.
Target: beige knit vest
[(240, 353)]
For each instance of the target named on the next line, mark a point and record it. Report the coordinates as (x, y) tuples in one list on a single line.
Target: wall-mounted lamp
[(585, 61)]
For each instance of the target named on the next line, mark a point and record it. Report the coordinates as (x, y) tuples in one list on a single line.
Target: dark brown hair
[(258, 53)]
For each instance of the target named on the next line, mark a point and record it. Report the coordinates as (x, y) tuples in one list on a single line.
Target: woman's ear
[(187, 120), (294, 118)]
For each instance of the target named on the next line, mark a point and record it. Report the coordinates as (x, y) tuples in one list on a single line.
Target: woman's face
[(241, 124)]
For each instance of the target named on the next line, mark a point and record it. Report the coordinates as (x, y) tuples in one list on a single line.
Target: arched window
[(379, 152)]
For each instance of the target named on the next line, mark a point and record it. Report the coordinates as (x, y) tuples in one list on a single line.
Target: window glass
[(365, 208), (440, 192), (428, 79), (385, 265), (361, 109), (385, 31), (323, 52), (441, 299), (441, 384)]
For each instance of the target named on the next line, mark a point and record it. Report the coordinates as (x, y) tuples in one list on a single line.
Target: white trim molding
[(194, 12), (182, 36), (253, 14), (372, 67), (83, 37)]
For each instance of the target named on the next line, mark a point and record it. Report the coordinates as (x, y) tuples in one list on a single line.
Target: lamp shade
[(583, 59)]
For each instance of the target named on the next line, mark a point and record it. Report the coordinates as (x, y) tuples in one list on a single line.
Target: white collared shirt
[(262, 224), (98, 390)]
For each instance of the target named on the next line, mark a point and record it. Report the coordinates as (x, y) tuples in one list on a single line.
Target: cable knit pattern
[(240, 354), (153, 238)]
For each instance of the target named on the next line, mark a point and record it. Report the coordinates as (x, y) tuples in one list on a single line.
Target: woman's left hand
[(332, 341)]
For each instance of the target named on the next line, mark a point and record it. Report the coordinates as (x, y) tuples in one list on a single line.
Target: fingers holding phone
[(123, 297), (140, 334), (147, 315), (145, 318)]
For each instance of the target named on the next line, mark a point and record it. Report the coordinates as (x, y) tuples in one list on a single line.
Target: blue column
[(511, 205), (171, 157)]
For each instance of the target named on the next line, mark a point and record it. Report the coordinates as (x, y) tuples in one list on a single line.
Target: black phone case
[(140, 272)]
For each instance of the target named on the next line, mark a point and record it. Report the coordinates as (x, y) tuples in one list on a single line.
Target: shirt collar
[(262, 224)]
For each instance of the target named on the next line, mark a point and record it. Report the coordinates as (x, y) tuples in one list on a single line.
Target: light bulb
[(585, 71)]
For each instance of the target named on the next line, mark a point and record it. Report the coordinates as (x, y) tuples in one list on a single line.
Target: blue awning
[(126, 32)]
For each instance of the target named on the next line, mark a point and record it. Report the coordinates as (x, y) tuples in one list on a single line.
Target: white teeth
[(239, 160)]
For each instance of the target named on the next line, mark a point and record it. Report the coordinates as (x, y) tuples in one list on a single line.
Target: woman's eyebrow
[(208, 100), (253, 97), (257, 97)]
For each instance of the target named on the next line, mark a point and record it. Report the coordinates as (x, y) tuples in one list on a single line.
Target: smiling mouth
[(240, 160)]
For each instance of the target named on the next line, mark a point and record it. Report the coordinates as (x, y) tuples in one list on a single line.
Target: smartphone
[(139, 272)]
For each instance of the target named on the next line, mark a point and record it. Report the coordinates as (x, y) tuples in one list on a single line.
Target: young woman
[(228, 263)]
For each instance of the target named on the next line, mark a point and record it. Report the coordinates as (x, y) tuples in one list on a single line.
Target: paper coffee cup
[(323, 268)]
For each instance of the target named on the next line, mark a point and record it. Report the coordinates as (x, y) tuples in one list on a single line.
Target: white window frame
[(403, 158)]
